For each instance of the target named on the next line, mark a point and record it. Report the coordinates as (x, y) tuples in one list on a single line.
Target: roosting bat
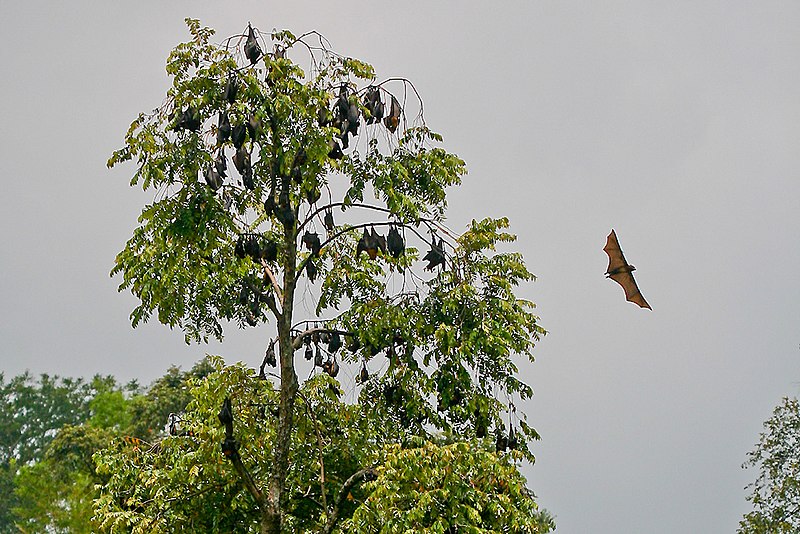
[(621, 271), (251, 48)]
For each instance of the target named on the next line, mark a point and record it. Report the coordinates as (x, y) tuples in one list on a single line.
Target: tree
[(214, 249), (33, 411), (53, 491), (776, 491), (42, 485)]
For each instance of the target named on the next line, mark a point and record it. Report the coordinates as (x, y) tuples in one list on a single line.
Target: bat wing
[(632, 293), (616, 260), (620, 271)]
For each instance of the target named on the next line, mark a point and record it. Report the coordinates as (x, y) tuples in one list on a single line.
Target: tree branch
[(297, 341), (249, 483), (355, 478), (272, 279)]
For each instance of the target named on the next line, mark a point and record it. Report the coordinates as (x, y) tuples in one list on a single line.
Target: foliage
[(56, 493), (448, 488), (38, 414), (776, 491), (183, 483), (214, 249), (51, 487)]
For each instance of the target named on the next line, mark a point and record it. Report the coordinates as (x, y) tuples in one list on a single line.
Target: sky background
[(675, 123)]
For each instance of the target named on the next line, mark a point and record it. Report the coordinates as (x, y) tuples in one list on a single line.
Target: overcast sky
[(676, 123)]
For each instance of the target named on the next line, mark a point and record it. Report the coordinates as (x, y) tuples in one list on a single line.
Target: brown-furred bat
[(621, 271)]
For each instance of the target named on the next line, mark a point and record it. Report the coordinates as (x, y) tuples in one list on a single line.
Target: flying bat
[(621, 271)]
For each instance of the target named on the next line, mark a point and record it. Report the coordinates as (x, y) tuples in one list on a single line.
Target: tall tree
[(776, 491), (335, 187)]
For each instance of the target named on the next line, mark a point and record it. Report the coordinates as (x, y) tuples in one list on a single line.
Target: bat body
[(621, 271)]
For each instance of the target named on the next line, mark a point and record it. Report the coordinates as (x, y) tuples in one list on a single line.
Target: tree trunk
[(271, 515)]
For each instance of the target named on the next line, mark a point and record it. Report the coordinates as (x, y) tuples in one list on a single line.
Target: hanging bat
[(331, 366), (238, 250), (501, 445), (188, 120), (394, 242), (328, 221), (379, 241), (621, 271), (269, 359), (335, 342), (269, 250), (393, 120), (223, 128), (435, 255), (363, 376), (221, 163), (353, 113), (251, 49), (231, 88), (238, 135), (242, 160), (312, 242), (213, 179), (226, 416), (336, 151), (372, 101), (254, 126), (311, 271)]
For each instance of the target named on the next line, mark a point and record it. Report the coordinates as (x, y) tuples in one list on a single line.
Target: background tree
[(324, 160), (776, 491), (54, 427), (33, 412)]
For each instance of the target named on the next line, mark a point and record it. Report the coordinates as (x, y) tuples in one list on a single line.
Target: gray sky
[(676, 123)]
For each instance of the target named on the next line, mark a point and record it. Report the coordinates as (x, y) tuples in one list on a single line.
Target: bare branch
[(272, 279)]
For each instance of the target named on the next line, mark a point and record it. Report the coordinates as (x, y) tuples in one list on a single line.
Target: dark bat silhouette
[(621, 271), (251, 48), (335, 342), (311, 271), (331, 366), (213, 179), (189, 119), (238, 135), (394, 243), (226, 416), (380, 242), (312, 243), (221, 164), (269, 359), (223, 128), (435, 255), (231, 88), (328, 221), (269, 250), (335, 151)]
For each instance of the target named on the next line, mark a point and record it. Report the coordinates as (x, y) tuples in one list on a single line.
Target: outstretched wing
[(632, 293), (621, 272), (616, 260)]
